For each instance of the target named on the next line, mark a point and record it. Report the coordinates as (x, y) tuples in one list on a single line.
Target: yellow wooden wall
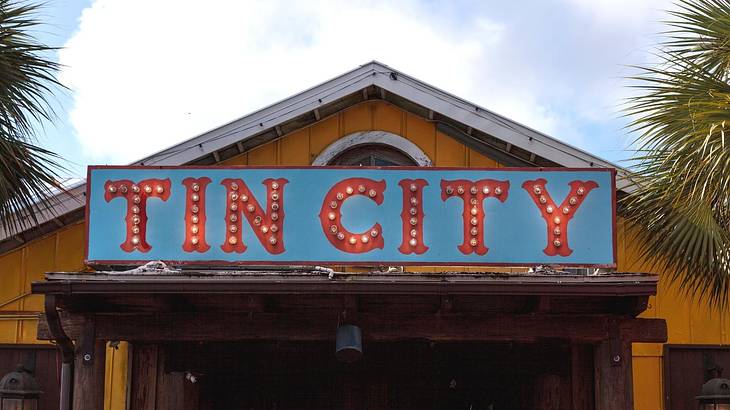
[(63, 250)]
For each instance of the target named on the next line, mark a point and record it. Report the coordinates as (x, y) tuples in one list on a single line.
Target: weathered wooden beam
[(317, 327), (88, 390), (613, 375)]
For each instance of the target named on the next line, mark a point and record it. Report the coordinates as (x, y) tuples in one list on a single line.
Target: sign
[(351, 216)]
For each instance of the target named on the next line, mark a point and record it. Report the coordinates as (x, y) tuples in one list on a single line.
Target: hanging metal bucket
[(348, 344)]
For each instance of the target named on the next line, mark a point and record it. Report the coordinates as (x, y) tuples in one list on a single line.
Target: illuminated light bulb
[(372, 193), (474, 221), (234, 207), (274, 216), (536, 189), (112, 189), (244, 198), (257, 220), (473, 201), (275, 206), (556, 231), (250, 208), (135, 220), (331, 216), (135, 209), (160, 189), (341, 236), (272, 240), (274, 185), (135, 240), (194, 229), (194, 240), (581, 191), (333, 228), (232, 240), (265, 229), (333, 204), (135, 229), (566, 210), (413, 188), (361, 188), (274, 228), (196, 187), (474, 211), (233, 218), (194, 219), (364, 239), (135, 189), (474, 231), (573, 200), (274, 196), (233, 228), (413, 242), (556, 220), (414, 221), (556, 243), (543, 200), (413, 211), (353, 240), (414, 233), (460, 190), (137, 199), (485, 190), (148, 189), (473, 242), (549, 209), (449, 190), (123, 189), (340, 196), (498, 191), (374, 233), (349, 190), (195, 197), (473, 190), (234, 186), (414, 201), (234, 196), (194, 209)]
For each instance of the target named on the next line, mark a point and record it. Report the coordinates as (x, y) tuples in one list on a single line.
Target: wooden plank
[(143, 395), (267, 326), (581, 376), (88, 390), (552, 392)]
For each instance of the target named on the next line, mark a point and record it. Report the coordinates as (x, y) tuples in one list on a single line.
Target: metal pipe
[(67, 350)]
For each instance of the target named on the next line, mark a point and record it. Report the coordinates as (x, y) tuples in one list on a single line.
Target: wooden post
[(614, 390), (89, 364), (153, 388), (143, 389)]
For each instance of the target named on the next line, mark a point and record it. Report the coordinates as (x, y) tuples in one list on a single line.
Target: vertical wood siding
[(688, 321)]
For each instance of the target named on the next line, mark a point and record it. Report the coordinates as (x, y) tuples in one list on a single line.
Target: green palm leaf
[(680, 205), (28, 173)]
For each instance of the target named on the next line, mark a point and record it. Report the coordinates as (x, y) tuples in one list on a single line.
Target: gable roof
[(505, 140)]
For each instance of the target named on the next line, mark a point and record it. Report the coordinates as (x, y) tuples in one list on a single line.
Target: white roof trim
[(373, 73), (373, 137)]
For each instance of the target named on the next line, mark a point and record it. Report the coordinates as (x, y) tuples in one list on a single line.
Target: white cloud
[(147, 75)]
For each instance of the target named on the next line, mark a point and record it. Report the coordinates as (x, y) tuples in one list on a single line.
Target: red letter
[(136, 196), (267, 225), (473, 195), (554, 216), (330, 215), (412, 216), (195, 214)]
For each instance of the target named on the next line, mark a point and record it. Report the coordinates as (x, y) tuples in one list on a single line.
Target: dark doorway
[(405, 375)]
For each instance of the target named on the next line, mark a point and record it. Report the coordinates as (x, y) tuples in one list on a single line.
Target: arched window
[(373, 148)]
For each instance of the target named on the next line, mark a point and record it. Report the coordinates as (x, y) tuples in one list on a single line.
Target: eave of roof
[(246, 132)]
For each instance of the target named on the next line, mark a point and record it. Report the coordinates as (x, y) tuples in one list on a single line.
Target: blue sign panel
[(348, 216)]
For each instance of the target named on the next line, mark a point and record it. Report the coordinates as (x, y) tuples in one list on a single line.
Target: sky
[(144, 75)]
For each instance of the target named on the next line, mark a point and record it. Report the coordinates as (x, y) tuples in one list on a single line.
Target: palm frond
[(681, 207), (28, 173)]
